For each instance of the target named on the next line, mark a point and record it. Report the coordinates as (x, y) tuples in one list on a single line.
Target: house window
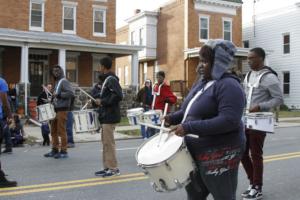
[(96, 66), (286, 43), (71, 68), (37, 15), (204, 28), (286, 83), (69, 19), (126, 78), (227, 29), (141, 39), (99, 22), (246, 44)]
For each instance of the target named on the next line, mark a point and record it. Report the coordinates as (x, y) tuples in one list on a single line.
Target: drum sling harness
[(252, 86)]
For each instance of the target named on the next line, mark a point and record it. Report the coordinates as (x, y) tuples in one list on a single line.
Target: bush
[(284, 107)]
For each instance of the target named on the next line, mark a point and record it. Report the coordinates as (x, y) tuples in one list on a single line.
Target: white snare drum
[(85, 120), (261, 121), (168, 165), (134, 115), (46, 112), (152, 117)]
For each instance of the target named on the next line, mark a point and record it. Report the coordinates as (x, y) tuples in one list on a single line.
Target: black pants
[(46, 140), (216, 174)]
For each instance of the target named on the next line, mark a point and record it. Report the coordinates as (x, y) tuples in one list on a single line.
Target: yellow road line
[(72, 182), (103, 181), (18, 192), (281, 158), (282, 155)]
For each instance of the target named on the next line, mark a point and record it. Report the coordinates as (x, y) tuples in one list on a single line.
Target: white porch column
[(24, 74), (135, 70), (24, 64), (62, 59)]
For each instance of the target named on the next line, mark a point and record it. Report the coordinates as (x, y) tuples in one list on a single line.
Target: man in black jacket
[(109, 116)]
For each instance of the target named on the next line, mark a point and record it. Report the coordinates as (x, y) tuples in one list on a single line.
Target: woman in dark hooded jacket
[(212, 112)]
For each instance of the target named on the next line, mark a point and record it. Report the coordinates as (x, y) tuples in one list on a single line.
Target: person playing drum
[(45, 97), (261, 98), (210, 122), (62, 100)]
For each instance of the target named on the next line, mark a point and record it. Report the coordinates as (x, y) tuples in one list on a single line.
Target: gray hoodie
[(268, 94), (65, 94)]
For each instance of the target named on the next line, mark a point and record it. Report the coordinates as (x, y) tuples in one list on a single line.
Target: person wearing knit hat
[(212, 114)]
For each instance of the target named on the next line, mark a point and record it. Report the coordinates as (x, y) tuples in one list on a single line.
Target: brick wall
[(15, 14), (11, 64), (85, 69), (215, 26), (170, 40)]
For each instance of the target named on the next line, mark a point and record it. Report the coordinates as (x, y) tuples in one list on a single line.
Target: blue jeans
[(70, 127), (6, 134)]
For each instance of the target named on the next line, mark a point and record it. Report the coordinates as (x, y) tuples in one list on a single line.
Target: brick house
[(76, 34), (173, 34)]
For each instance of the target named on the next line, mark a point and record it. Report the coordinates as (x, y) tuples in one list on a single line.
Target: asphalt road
[(42, 178)]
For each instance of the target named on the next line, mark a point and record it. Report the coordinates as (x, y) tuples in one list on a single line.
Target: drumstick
[(163, 122), (85, 105), (87, 94), (155, 127), (46, 90)]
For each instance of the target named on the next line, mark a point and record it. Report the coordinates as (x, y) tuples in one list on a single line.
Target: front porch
[(26, 59)]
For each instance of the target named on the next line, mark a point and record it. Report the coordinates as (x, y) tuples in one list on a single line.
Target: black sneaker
[(71, 145), (7, 183), (244, 194), (52, 153), (101, 172), (254, 194), (9, 151), (63, 154), (112, 172)]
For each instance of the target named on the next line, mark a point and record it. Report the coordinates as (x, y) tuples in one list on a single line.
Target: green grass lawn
[(283, 114), (124, 122)]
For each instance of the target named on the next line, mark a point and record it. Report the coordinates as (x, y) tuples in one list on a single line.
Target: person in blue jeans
[(69, 128), (4, 111), (6, 136), (144, 97)]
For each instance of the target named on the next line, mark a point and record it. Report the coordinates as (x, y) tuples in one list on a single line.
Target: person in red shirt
[(162, 93)]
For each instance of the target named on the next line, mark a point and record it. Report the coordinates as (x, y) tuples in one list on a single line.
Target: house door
[(35, 77)]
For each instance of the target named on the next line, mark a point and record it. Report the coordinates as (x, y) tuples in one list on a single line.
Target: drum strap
[(103, 86), (207, 85), (57, 89), (252, 86)]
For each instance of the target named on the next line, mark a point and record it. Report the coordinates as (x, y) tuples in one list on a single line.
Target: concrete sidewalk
[(35, 131)]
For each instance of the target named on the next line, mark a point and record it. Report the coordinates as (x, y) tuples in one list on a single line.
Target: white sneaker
[(244, 194), (254, 194)]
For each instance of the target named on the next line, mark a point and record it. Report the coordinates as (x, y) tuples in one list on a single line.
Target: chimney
[(137, 11)]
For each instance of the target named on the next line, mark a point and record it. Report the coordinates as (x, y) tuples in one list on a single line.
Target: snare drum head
[(260, 114), (153, 112), (158, 148), (135, 110)]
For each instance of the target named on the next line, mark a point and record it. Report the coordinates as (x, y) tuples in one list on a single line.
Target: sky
[(126, 8)]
